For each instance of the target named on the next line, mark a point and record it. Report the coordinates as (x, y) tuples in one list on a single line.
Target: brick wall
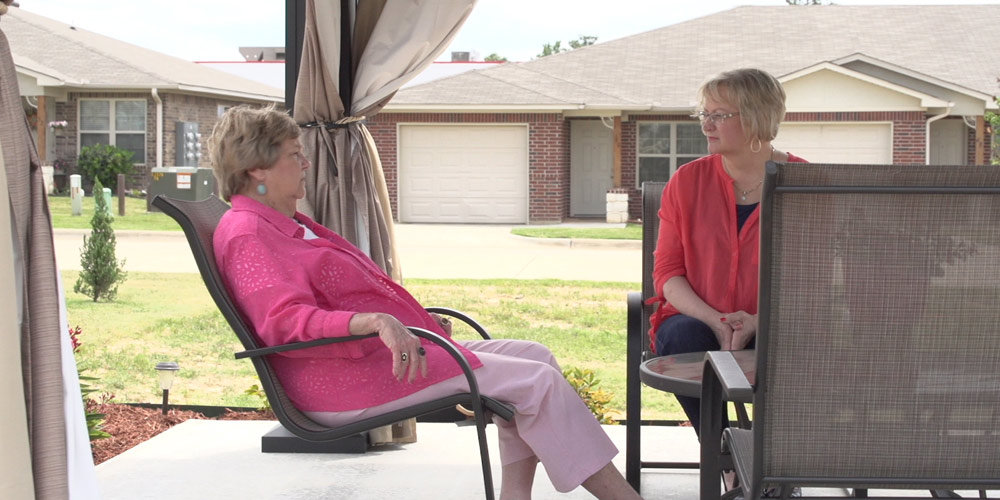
[(630, 161), (68, 149), (970, 136), (202, 110), (548, 155), (549, 182), (176, 107)]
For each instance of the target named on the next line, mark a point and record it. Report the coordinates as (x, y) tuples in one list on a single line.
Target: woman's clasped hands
[(742, 327)]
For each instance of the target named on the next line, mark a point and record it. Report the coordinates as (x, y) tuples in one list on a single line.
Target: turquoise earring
[(261, 189)]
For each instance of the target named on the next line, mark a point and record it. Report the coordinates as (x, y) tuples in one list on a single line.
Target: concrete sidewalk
[(425, 251)]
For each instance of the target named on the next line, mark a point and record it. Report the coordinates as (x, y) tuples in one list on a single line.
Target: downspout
[(159, 127), (927, 132)]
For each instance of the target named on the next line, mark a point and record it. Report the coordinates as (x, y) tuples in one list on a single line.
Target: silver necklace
[(743, 194)]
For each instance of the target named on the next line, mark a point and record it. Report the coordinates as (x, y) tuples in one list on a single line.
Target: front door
[(591, 164)]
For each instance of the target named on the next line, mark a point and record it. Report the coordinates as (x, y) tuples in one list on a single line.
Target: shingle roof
[(664, 67), (84, 59)]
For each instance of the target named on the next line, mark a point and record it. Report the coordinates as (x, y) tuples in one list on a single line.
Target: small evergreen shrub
[(103, 163), (585, 383), (101, 272)]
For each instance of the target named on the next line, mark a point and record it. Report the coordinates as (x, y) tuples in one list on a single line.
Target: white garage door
[(463, 174), (837, 143)]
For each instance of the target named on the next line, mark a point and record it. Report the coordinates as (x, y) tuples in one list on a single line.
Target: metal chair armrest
[(734, 382), (462, 316), (264, 351)]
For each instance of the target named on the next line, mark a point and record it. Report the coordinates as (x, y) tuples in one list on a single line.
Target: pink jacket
[(291, 290)]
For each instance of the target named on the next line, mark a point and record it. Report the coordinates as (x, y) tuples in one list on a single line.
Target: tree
[(100, 271), (583, 41), (993, 120), (494, 57), (554, 48), (551, 48)]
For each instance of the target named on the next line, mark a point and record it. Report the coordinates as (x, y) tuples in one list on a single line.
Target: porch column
[(41, 127), (617, 153), (980, 140)]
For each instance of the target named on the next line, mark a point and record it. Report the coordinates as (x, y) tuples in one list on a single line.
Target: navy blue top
[(743, 213)]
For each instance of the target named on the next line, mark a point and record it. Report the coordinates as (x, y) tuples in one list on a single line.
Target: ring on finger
[(421, 351), (403, 357)]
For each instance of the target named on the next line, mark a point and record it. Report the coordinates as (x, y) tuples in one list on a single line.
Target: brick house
[(545, 140), (112, 92)]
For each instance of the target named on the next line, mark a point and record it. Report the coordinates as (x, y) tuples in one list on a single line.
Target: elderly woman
[(705, 263), (295, 280)]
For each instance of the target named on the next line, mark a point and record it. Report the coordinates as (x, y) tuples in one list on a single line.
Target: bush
[(101, 272), (95, 419), (585, 383), (103, 163)]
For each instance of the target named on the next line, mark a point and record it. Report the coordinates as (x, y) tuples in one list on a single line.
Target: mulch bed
[(130, 425)]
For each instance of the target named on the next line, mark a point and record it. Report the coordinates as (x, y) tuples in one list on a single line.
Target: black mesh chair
[(199, 220), (637, 344), (877, 353)]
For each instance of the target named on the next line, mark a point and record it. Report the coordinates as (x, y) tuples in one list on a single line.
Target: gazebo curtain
[(355, 56), (39, 377)]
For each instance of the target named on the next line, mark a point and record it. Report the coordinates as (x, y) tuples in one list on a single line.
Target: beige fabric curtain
[(391, 43), (15, 456), (40, 334)]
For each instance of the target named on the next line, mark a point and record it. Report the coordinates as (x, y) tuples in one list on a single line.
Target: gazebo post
[(295, 28)]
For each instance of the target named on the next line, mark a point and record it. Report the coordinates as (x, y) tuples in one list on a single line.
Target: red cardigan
[(698, 240), (291, 289)]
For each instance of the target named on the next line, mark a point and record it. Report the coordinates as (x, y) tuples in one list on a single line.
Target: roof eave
[(472, 108)]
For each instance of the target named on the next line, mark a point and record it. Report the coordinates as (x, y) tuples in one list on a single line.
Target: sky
[(213, 30)]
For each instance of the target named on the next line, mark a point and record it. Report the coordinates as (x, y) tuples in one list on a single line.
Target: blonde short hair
[(757, 95), (246, 138)]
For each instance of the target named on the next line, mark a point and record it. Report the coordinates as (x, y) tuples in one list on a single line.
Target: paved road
[(425, 250)]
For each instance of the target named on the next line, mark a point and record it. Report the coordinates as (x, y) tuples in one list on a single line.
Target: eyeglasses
[(714, 118)]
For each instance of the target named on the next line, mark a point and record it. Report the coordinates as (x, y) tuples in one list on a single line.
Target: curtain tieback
[(341, 123)]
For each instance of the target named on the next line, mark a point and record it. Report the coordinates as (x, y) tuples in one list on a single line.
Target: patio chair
[(637, 343), (877, 353), (199, 220)]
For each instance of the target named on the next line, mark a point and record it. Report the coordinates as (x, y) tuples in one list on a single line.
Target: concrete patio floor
[(211, 459)]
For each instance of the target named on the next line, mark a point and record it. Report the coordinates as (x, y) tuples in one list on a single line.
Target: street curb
[(582, 242)]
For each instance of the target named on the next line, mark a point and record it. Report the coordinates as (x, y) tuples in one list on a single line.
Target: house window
[(664, 146), (222, 108), (117, 122)]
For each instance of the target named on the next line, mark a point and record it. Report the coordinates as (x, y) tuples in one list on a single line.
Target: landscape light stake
[(165, 371)]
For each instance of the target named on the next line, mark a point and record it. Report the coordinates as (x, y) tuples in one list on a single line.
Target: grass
[(136, 217), (170, 317), (629, 232)]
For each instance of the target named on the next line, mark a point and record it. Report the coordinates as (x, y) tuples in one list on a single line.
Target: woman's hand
[(443, 322), (407, 354), (723, 332), (744, 327)]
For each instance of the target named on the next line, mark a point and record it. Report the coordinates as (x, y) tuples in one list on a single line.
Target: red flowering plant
[(94, 419)]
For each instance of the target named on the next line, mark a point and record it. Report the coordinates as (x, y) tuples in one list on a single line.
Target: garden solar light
[(165, 371)]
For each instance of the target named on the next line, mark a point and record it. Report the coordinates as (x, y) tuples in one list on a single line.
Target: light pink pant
[(551, 422)]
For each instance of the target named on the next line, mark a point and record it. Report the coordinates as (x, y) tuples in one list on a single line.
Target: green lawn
[(136, 217), (170, 317), (629, 232)]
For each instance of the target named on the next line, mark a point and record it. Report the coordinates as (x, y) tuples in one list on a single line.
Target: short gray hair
[(246, 138)]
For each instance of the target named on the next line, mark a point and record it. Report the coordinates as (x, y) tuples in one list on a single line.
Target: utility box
[(188, 144), (180, 183)]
